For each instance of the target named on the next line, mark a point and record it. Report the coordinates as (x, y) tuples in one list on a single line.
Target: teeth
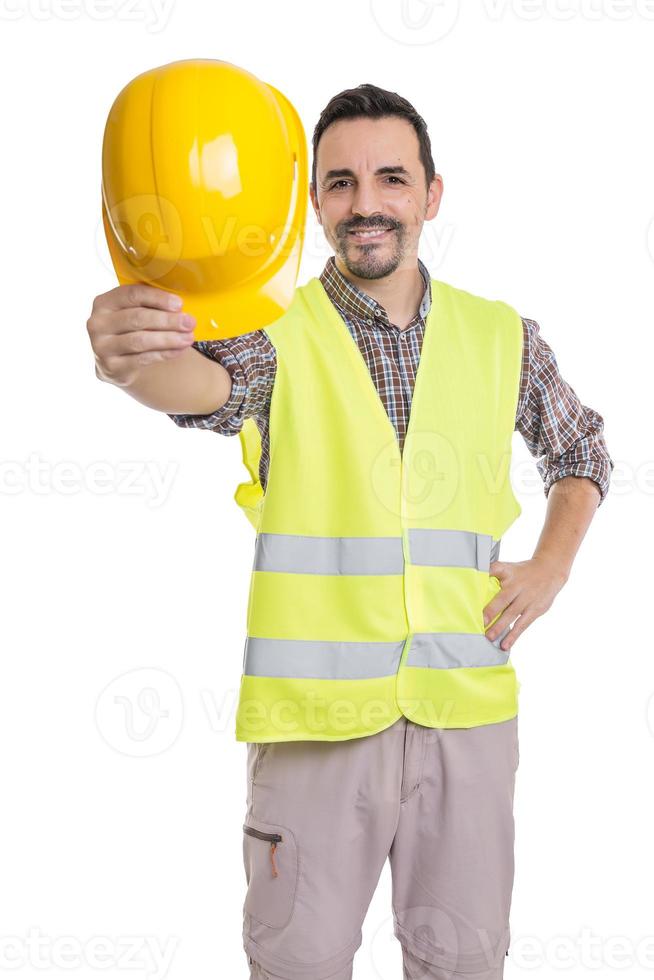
[(370, 234)]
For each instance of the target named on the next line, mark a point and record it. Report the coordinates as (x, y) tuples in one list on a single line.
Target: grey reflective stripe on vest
[(320, 658), (312, 555), (353, 661), (446, 650), (445, 547)]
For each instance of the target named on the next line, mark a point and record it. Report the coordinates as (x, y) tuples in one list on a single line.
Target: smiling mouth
[(373, 235)]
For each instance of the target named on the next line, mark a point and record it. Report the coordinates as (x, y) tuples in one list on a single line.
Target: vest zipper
[(274, 839)]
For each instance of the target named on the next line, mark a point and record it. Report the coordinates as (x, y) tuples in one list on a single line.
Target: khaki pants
[(321, 819)]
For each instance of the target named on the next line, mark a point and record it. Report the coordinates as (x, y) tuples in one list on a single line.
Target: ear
[(314, 202), (434, 195)]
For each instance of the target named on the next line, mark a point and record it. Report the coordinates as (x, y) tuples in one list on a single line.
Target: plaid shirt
[(565, 436)]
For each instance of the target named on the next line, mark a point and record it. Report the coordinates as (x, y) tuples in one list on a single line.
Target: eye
[(344, 181)]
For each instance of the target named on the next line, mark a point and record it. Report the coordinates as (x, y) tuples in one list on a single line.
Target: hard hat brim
[(224, 313)]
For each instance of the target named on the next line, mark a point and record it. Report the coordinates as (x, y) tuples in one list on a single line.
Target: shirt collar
[(355, 303)]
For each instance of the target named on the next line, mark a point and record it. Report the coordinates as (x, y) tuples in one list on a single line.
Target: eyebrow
[(346, 172)]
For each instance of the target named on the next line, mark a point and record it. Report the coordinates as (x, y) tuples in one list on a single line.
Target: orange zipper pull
[(273, 847)]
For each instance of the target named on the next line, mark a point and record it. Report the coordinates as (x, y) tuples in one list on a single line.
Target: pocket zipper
[(274, 839)]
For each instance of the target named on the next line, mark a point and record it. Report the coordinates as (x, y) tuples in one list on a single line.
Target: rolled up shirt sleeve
[(250, 361), (565, 436)]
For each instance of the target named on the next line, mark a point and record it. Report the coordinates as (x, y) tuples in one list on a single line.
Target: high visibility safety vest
[(371, 566)]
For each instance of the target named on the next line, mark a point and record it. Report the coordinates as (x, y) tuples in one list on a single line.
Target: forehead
[(365, 144)]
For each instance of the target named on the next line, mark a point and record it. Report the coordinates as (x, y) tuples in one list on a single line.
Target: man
[(430, 784)]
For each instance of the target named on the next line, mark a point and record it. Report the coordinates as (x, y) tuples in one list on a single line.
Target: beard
[(371, 260)]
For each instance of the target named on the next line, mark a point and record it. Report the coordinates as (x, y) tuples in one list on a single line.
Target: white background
[(122, 819)]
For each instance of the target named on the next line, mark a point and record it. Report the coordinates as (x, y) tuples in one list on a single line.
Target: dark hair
[(374, 103)]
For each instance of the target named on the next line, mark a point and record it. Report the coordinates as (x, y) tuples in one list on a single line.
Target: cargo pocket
[(271, 869), (261, 749)]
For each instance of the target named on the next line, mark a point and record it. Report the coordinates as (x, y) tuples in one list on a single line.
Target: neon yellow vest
[(371, 567)]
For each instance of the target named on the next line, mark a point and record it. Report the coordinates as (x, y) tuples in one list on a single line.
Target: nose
[(367, 199)]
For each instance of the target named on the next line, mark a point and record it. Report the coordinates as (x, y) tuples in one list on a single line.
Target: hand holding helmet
[(133, 326)]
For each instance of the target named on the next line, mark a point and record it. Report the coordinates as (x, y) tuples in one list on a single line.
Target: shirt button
[(369, 320)]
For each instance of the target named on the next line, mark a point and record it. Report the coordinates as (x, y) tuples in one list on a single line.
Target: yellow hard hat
[(204, 192)]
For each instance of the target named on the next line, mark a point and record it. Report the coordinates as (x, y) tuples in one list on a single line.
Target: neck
[(400, 293)]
